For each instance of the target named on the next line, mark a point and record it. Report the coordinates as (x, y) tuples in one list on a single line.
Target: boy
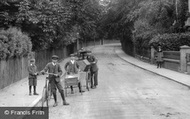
[(93, 70), (32, 70), (72, 67), (54, 79)]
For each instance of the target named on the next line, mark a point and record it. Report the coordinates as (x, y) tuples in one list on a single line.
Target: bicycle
[(47, 93)]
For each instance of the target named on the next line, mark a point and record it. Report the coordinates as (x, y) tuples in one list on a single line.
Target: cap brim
[(55, 58)]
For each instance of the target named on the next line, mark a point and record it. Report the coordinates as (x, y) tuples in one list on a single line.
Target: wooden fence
[(172, 55), (12, 70), (15, 69)]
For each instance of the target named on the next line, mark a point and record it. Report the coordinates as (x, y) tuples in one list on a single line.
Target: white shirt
[(53, 63), (72, 61)]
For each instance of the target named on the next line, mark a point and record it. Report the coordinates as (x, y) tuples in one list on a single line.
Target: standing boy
[(54, 79), (93, 70), (72, 67), (32, 69)]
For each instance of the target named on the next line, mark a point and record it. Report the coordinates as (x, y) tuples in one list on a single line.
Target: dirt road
[(125, 92)]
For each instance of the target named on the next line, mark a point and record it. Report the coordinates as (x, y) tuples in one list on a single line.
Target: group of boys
[(55, 72)]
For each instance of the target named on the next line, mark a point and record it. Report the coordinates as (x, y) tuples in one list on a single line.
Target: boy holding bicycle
[(54, 70)]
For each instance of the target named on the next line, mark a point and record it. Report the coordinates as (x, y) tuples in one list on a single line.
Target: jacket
[(54, 69), (93, 61), (72, 68), (32, 69)]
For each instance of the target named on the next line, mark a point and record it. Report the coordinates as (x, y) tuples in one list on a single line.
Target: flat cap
[(55, 57), (72, 55), (32, 60)]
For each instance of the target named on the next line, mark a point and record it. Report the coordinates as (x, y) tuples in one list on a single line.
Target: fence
[(15, 69), (171, 60), (12, 70), (143, 54), (172, 55)]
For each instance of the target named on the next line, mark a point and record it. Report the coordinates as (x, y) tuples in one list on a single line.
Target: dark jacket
[(72, 68), (32, 69), (53, 69), (93, 61)]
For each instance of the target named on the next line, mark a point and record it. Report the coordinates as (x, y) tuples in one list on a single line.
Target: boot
[(72, 92), (55, 99), (30, 90), (65, 103), (63, 98), (55, 104), (80, 90), (35, 91)]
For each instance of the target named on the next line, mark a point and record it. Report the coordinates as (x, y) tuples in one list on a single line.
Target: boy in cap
[(54, 79), (93, 69), (72, 67), (32, 70)]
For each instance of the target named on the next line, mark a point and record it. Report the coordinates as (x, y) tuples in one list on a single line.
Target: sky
[(104, 2)]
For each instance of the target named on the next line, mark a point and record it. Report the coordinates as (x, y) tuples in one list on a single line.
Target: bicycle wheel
[(49, 92), (47, 97), (43, 96)]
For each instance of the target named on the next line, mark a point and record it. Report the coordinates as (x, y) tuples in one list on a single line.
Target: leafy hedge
[(172, 41), (14, 43), (142, 40)]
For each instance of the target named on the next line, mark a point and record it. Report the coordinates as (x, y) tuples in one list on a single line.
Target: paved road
[(125, 92)]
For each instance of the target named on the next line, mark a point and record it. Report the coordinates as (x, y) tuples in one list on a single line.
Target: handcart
[(71, 80)]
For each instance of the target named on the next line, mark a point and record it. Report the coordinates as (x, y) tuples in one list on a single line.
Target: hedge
[(171, 42), (142, 40), (14, 43)]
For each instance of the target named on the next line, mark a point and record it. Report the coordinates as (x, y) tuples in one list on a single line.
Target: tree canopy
[(51, 24), (54, 24)]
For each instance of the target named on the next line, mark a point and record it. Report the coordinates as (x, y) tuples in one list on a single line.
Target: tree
[(14, 43), (47, 22), (85, 14)]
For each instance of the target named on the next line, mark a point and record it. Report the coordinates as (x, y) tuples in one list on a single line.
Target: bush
[(142, 40), (172, 41), (14, 43)]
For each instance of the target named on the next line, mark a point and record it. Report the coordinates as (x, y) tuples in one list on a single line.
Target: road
[(125, 92)]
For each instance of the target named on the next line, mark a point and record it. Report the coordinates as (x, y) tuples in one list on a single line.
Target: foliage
[(152, 18), (8, 11), (47, 22), (142, 40), (14, 43), (51, 24), (171, 41), (159, 15), (85, 14)]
